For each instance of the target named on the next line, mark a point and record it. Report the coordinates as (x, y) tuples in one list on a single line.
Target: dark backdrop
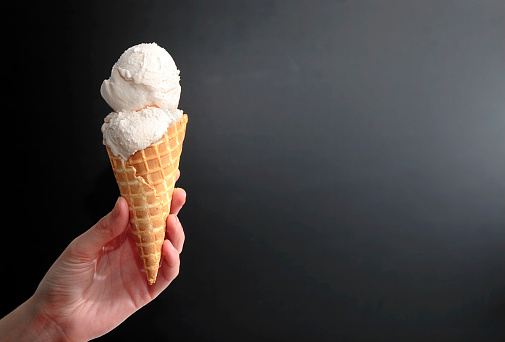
[(343, 162)]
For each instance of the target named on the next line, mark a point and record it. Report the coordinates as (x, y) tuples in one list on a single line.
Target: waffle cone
[(146, 180)]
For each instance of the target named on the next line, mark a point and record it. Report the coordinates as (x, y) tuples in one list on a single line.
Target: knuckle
[(102, 224), (177, 267), (182, 238)]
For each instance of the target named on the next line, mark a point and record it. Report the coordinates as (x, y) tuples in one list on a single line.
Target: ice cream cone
[(146, 180)]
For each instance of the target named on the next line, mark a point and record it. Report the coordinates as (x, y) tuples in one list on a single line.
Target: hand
[(98, 281)]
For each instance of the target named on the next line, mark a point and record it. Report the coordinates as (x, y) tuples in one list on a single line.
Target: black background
[(343, 162)]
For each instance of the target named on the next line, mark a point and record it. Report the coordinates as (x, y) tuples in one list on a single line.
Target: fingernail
[(117, 209)]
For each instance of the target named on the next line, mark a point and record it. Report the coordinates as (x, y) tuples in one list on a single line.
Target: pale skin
[(96, 283)]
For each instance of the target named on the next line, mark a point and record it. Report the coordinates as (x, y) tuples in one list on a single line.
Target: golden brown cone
[(146, 180)]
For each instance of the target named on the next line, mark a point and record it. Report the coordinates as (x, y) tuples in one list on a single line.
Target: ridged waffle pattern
[(146, 180)]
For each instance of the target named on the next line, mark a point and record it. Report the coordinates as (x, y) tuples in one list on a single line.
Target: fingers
[(169, 268), (175, 232), (172, 247), (110, 226), (178, 200), (171, 261), (177, 175)]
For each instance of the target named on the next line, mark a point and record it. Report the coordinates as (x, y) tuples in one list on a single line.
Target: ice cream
[(144, 136), (144, 92), (128, 132), (145, 75)]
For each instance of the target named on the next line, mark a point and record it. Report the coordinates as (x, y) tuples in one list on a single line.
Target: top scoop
[(145, 75), (144, 92)]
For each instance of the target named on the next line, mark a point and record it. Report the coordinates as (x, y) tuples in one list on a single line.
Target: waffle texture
[(146, 180)]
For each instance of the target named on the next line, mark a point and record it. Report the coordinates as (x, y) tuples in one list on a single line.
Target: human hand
[(98, 281)]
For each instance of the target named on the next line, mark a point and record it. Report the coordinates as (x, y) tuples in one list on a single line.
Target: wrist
[(29, 322)]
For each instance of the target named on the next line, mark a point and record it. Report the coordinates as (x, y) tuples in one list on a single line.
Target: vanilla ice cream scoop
[(126, 133), (144, 92), (145, 75)]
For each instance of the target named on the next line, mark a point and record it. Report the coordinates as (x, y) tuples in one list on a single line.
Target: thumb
[(110, 226)]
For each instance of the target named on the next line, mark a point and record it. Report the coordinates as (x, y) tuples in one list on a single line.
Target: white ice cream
[(128, 132), (144, 92), (145, 75)]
